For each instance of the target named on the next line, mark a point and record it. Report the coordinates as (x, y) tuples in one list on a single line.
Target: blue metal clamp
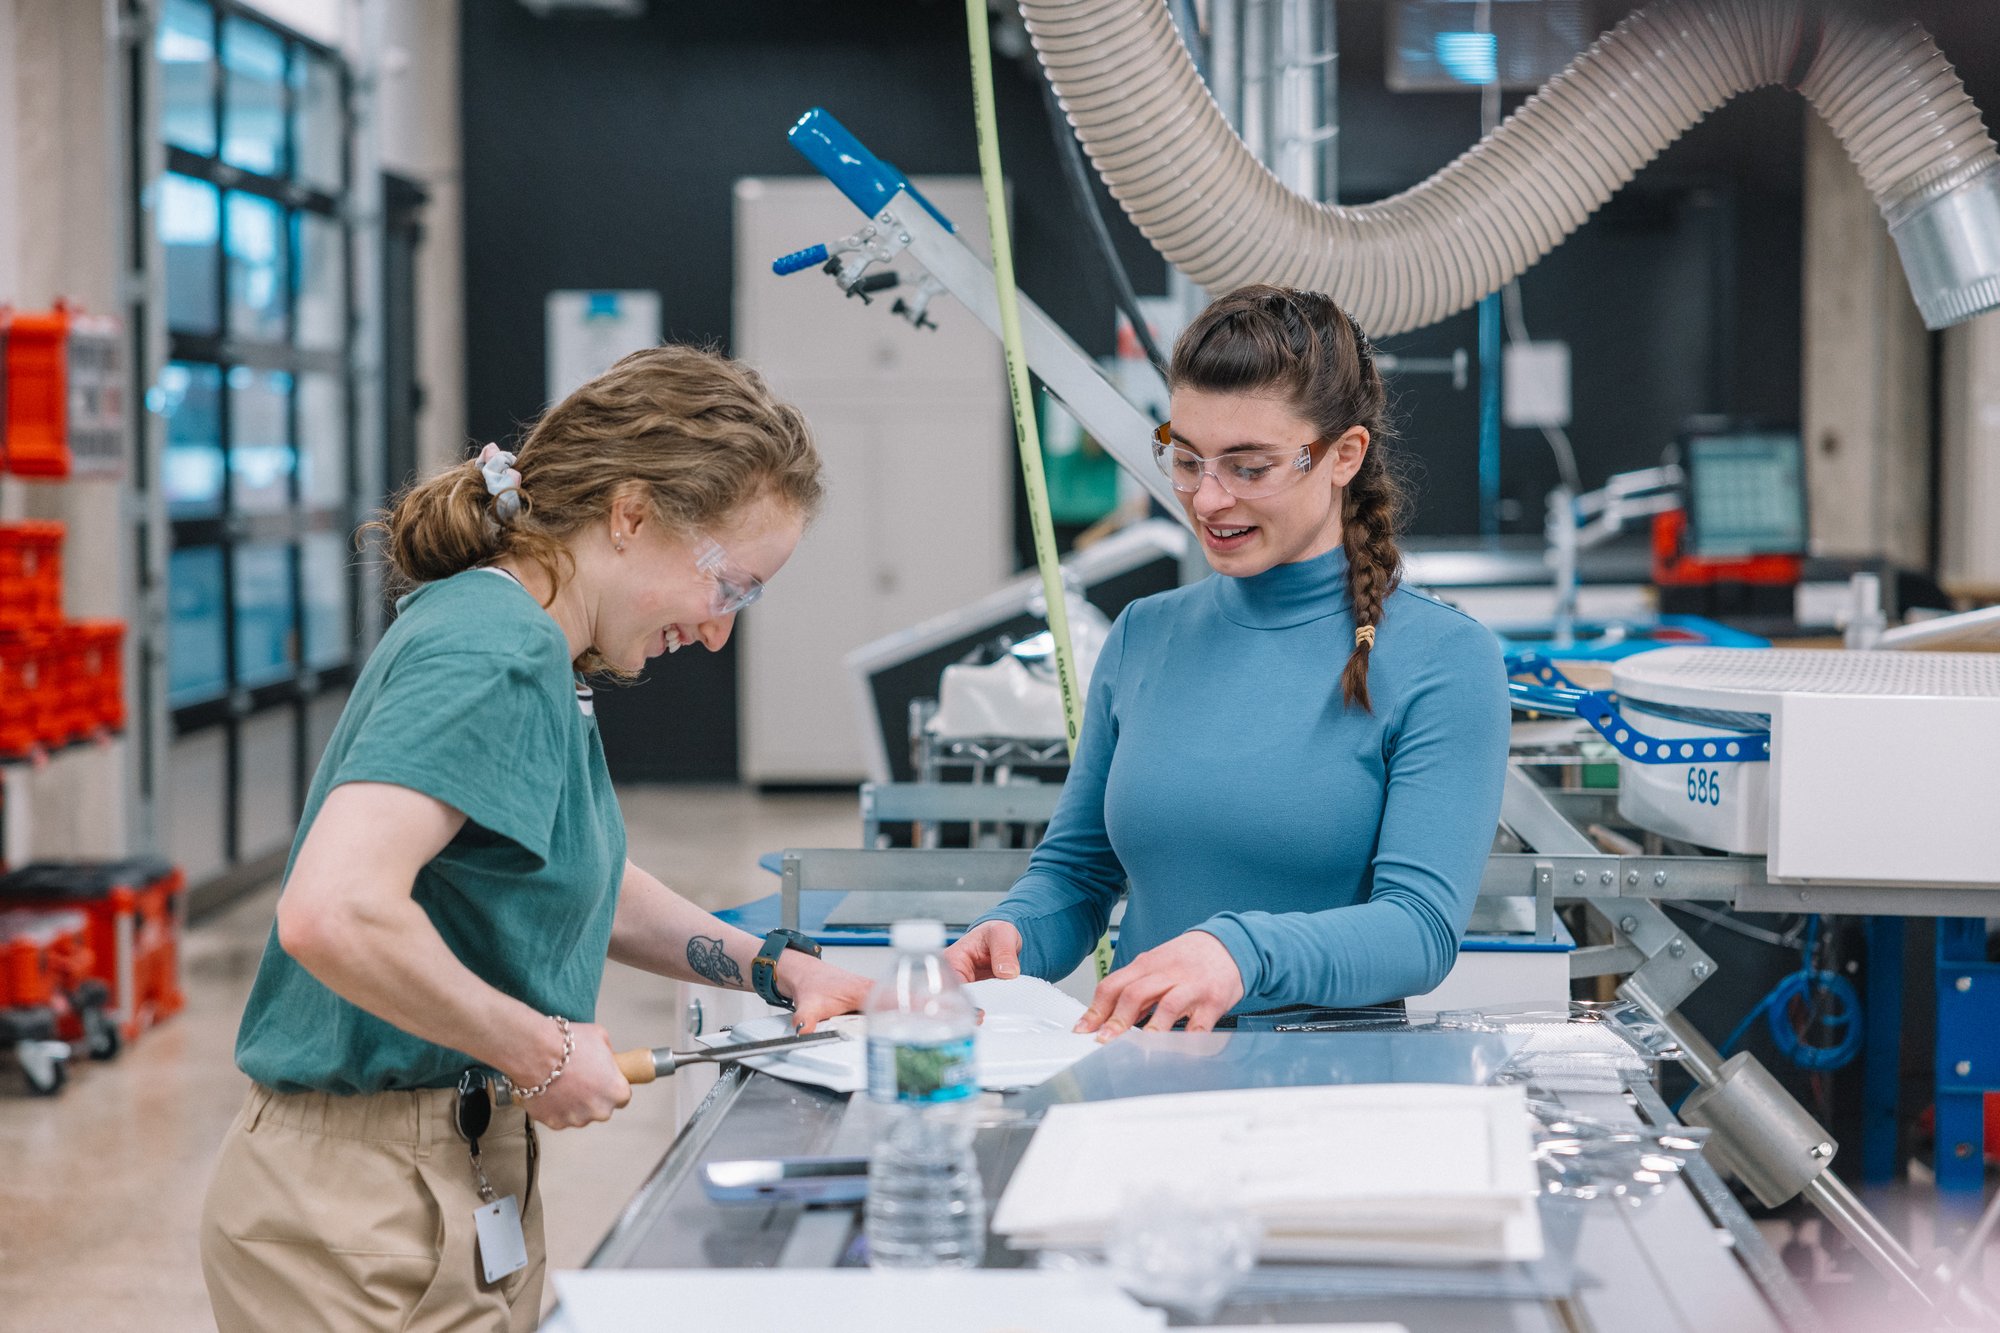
[(867, 181)]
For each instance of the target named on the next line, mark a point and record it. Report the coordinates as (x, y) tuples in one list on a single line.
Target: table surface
[(1688, 1260)]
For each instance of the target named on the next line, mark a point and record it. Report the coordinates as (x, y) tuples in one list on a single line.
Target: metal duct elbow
[(1170, 158)]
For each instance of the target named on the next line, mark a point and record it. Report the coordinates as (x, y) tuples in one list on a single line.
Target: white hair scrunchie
[(503, 483)]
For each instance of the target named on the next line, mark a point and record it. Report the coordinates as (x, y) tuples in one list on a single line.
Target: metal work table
[(1689, 1260)]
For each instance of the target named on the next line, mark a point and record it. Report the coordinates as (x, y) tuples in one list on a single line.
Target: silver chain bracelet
[(569, 1047)]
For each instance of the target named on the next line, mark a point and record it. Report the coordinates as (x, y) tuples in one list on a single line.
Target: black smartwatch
[(764, 967)]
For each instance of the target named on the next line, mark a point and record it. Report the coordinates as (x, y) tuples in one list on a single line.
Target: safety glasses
[(1247, 474), (734, 586)]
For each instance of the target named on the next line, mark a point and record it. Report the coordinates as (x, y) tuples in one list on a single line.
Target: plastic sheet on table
[(1576, 1047), (1586, 1159)]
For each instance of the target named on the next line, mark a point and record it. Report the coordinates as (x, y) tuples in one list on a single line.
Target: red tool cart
[(135, 910), (48, 997)]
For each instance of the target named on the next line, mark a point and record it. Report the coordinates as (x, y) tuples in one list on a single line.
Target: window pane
[(253, 97), (196, 668), (190, 219), (322, 441), (265, 624), (186, 52), (322, 282), (318, 127), (256, 268), (324, 576), (260, 440), (190, 398)]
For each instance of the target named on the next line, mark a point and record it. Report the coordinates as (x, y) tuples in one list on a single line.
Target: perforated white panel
[(1753, 678)]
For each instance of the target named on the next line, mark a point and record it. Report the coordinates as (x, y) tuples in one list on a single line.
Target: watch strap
[(764, 967)]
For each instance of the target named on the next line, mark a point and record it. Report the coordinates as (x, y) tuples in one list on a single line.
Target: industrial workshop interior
[(575, 574)]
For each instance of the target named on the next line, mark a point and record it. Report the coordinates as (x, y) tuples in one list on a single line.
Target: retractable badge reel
[(503, 1248)]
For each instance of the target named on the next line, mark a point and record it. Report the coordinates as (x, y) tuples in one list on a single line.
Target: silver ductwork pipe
[(1216, 213)]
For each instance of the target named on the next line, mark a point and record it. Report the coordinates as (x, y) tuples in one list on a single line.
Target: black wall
[(601, 153)]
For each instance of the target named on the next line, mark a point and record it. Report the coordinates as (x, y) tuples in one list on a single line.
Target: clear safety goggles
[(734, 586), (1247, 474)]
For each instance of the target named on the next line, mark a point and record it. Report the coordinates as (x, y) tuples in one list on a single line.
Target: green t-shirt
[(469, 698)]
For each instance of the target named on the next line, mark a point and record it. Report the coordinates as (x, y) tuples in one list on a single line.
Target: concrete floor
[(101, 1187)]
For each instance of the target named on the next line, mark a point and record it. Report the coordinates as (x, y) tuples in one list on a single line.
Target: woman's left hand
[(1191, 976), (819, 990)]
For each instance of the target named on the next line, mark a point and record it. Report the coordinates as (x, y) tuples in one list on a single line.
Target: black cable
[(1078, 174)]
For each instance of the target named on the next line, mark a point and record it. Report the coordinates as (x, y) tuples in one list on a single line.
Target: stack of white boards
[(1411, 1173), (763, 1300)]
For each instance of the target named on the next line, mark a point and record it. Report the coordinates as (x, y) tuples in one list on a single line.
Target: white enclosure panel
[(914, 429), (909, 532), (1885, 790)]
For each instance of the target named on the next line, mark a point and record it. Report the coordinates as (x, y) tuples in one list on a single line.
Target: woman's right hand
[(590, 1088), (990, 949)]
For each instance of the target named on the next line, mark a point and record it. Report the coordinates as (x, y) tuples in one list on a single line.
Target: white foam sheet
[(1024, 1040), (1396, 1173), (762, 1300)]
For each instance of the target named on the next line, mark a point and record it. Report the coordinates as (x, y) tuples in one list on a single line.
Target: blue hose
[(1808, 985)]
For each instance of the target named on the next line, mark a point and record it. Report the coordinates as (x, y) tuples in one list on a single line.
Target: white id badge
[(502, 1247)]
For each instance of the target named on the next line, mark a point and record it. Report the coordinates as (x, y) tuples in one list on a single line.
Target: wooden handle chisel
[(643, 1066)]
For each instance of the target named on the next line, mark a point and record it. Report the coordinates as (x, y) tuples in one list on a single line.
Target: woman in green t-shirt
[(460, 875)]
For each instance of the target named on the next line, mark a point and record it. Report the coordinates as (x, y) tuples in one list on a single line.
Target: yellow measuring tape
[(1026, 436)]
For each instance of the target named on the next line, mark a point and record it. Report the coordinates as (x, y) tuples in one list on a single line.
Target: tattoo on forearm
[(712, 963)]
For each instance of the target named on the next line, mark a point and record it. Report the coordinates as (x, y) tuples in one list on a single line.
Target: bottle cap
[(927, 936)]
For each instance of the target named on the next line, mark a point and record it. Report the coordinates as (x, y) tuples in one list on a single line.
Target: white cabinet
[(914, 427)]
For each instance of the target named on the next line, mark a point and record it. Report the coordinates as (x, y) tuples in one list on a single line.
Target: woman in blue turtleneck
[(1296, 765)]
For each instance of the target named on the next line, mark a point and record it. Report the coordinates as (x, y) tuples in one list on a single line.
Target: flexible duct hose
[(1171, 159)]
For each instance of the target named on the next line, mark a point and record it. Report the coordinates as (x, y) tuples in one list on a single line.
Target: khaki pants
[(344, 1213)]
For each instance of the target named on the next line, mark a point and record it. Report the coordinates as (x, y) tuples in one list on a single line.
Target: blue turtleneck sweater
[(1335, 853)]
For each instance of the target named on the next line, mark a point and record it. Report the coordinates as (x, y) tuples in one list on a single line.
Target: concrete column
[(60, 226), (1970, 486), (418, 110), (1866, 396)]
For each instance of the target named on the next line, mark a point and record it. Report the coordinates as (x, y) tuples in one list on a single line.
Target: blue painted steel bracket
[(1968, 1055), (1555, 693), (867, 181)]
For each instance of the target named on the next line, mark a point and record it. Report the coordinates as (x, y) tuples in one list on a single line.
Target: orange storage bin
[(43, 955), (135, 913), (83, 689), (30, 574), (29, 718), (64, 403), (97, 687)]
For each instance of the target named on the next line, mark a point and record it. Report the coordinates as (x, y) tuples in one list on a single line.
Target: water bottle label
[(921, 1071)]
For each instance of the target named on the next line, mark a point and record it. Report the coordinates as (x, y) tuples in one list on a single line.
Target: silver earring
[(619, 540)]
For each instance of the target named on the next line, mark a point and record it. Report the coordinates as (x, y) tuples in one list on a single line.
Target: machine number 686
[(1705, 786)]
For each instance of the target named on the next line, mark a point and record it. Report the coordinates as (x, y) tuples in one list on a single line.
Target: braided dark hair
[(1260, 338)]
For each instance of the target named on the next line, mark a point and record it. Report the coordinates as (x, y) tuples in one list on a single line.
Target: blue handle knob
[(810, 257)]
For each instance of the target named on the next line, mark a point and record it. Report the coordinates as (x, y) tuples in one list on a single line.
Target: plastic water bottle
[(926, 1208)]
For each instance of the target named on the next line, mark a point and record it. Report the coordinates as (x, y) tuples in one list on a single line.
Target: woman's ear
[(630, 512), (1346, 454)]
